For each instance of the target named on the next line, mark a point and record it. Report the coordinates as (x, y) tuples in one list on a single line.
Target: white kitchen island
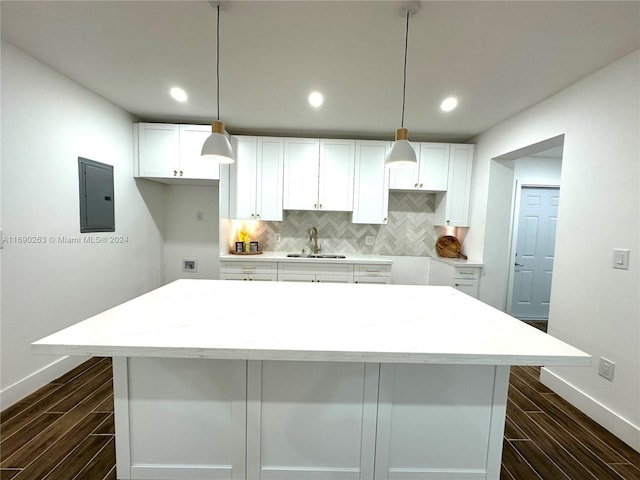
[(306, 381)]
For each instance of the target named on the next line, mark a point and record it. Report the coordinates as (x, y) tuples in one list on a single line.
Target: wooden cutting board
[(448, 246)]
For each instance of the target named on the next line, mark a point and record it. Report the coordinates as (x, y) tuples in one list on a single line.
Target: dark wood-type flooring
[(65, 431)]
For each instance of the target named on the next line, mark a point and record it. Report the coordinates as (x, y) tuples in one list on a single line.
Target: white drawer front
[(470, 287), (249, 267), (467, 273), (315, 267), (372, 270)]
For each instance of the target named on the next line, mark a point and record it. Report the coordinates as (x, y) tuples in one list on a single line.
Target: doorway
[(534, 252)]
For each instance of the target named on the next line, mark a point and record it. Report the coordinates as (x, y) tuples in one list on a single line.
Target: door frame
[(513, 237)]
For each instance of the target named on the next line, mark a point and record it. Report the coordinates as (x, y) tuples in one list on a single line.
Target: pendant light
[(402, 153), (217, 146)]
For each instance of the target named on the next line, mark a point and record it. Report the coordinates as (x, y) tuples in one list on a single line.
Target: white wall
[(47, 122), (186, 237), (593, 306), (538, 171)]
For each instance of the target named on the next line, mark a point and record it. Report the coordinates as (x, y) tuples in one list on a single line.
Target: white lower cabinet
[(312, 271), (307, 420), (463, 278), (249, 271)]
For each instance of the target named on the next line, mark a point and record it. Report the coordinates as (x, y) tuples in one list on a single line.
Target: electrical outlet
[(189, 266), (278, 238), (369, 240), (606, 368)]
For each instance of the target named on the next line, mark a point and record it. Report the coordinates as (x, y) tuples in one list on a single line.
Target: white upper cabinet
[(318, 174), (301, 171), (168, 151), (371, 185), (158, 149), (256, 179), (335, 184), (453, 206), (429, 175), (192, 164)]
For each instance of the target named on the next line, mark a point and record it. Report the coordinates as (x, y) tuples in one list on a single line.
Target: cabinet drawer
[(369, 279), (372, 270), (249, 267), (470, 287), (299, 268), (467, 273)]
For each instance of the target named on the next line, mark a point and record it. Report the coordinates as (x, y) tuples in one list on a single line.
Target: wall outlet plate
[(369, 240), (606, 368), (189, 265)]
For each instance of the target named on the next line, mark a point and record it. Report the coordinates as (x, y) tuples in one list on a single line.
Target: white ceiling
[(497, 57)]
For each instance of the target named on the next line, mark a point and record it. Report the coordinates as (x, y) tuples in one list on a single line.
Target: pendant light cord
[(404, 82), (218, 62)]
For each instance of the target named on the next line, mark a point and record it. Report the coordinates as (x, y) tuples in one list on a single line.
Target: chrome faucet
[(313, 237)]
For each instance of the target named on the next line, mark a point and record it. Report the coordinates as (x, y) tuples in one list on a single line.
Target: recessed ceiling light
[(449, 104), (178, 94), (315, 99)]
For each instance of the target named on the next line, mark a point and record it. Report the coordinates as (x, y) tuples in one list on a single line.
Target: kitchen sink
[(314, 255)]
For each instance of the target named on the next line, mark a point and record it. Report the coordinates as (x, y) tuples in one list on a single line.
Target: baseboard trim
[(607, 418), (32, 382)]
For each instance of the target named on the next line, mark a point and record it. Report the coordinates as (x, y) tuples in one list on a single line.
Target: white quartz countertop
[(311, 321), (282, 257)]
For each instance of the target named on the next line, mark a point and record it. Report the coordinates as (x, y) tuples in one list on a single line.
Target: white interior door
[(535, 247)]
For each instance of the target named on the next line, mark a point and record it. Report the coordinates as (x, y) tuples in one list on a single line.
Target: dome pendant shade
[(217, 146), (401, 153)]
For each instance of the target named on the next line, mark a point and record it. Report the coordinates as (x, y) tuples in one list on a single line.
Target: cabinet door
[(371, 183), (158, 150), (425, 409), (452, 207), (434, 167), (195, 402), (242, 179), (192, 164), (405, 178), (335, 185), (311, 420), (301, 157), (269, 178)]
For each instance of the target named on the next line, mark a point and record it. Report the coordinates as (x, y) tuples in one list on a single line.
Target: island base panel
[(266, 420)]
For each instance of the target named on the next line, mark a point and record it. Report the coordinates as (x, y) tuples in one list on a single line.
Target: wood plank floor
[(65, 431)]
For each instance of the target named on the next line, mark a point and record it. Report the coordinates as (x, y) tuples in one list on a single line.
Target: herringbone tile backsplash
[(409, 230)]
